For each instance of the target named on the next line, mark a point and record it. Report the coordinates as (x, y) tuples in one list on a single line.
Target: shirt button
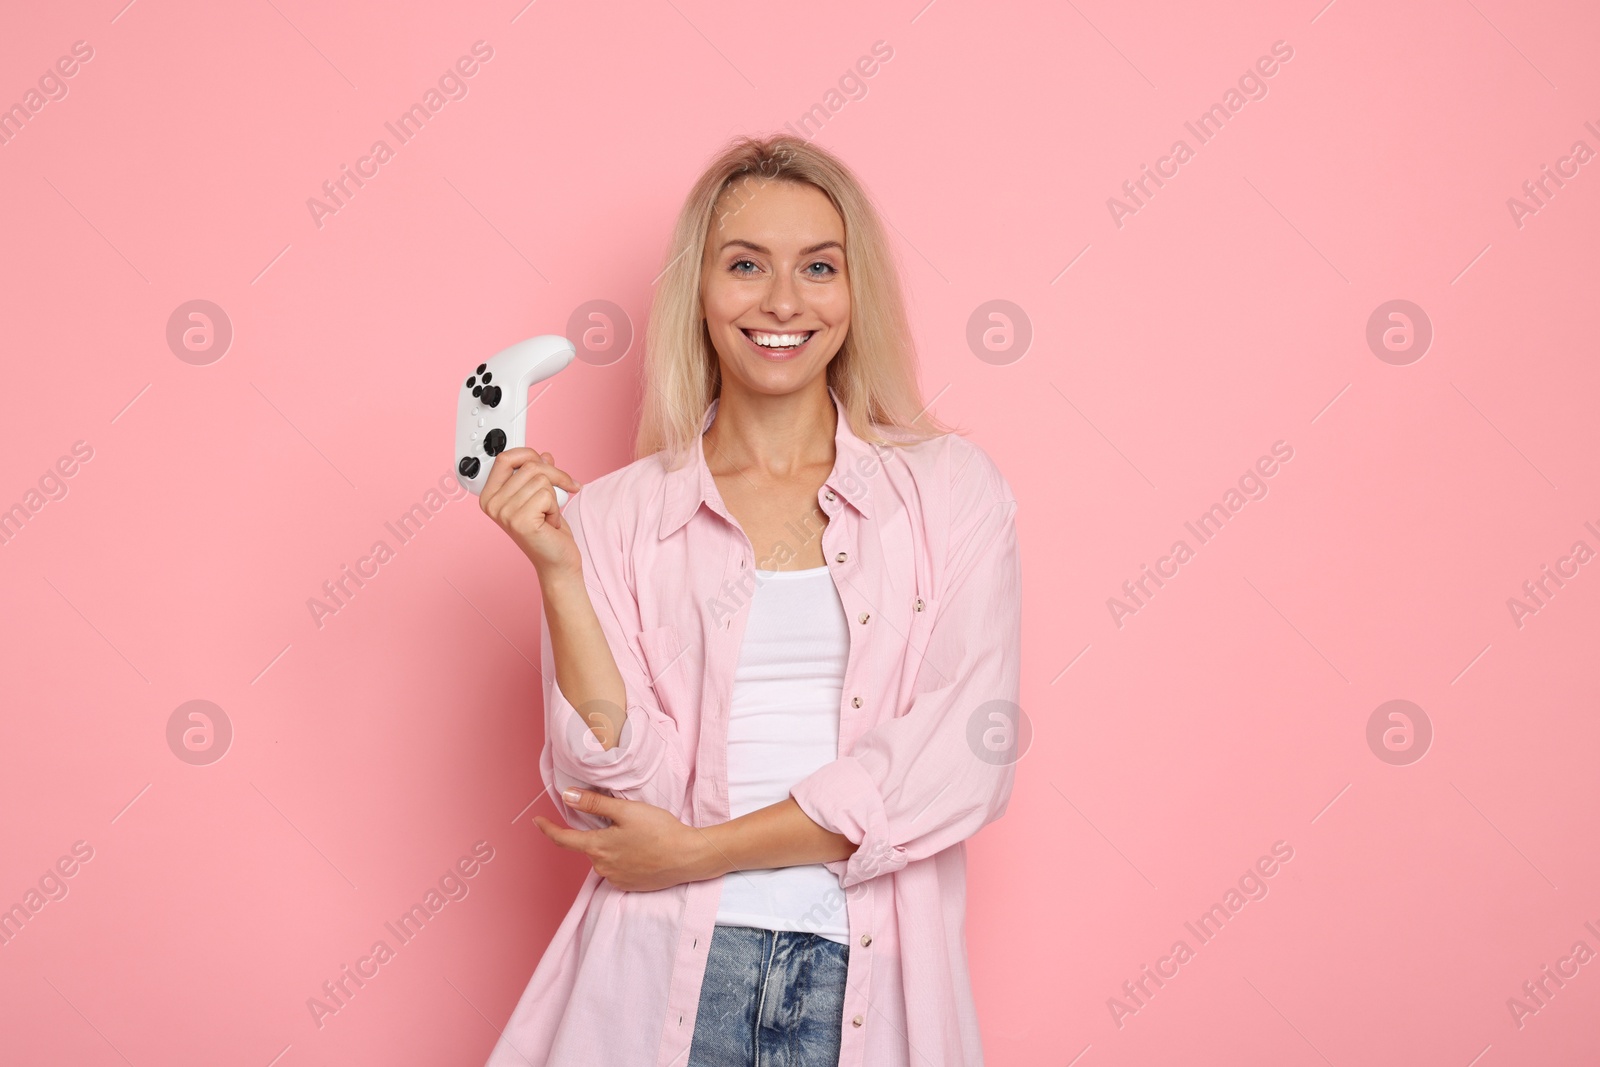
[(841, 557), (865, 616), (857, 1021), (866, 939), (828, 494), (855, 702), (919, 603)]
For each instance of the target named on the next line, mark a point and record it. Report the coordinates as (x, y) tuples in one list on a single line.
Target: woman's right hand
[(519, 495)]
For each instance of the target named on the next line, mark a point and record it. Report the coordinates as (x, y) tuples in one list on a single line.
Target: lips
[(778, 354)]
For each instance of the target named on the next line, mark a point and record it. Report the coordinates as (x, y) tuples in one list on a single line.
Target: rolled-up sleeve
[(647, 764), (926, 779)]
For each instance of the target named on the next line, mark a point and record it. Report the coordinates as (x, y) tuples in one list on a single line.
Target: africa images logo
[(452, 85)]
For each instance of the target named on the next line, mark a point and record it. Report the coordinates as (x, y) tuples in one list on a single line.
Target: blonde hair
[(874, 371)]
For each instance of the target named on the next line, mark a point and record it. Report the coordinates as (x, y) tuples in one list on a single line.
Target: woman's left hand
[(644, 848)]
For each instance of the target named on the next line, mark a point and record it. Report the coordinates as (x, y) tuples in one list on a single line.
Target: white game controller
[(492, 407)]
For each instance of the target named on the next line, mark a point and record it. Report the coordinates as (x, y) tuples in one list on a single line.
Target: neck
[(778, 435)]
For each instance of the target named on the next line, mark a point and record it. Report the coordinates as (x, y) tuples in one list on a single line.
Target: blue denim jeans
[(771, 998)]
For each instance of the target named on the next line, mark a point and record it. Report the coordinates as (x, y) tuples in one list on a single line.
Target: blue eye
[(827, 268)]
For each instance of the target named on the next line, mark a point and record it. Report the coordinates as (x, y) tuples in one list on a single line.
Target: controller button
[(483, 422), (487, 378), (477, 390), (476, 410), (472, 381), (491, 395), (482, 367), (474, 436), (468, 467), (494, 442)]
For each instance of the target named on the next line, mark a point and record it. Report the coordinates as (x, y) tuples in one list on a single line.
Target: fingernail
[(571, 796)]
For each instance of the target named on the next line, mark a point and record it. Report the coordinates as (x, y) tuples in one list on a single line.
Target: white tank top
[(783, 725)]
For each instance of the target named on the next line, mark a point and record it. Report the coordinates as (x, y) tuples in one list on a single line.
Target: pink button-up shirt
[(921, 541)]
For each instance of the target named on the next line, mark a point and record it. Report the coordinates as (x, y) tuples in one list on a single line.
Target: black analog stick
[(494, 442), (490, 395), (468, 467)]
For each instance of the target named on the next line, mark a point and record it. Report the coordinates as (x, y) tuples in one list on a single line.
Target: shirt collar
[(692, 484)]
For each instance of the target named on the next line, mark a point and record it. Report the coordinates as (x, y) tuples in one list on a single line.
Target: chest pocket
[(668, 660), (914, 670), (919, 632)]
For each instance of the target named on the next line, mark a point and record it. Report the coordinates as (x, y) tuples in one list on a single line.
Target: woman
[(780, 662)]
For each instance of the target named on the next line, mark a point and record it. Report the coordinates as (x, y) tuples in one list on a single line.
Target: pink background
[(1168, 354)]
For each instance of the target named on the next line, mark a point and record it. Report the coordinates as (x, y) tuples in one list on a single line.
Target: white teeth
[(778, 340)]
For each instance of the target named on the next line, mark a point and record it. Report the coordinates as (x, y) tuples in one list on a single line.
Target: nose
[(782, 298)]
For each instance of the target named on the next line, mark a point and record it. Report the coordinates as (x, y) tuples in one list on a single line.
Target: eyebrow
[(767, 251)]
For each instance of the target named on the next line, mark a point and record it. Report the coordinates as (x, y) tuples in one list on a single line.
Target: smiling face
[(773, 288)]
